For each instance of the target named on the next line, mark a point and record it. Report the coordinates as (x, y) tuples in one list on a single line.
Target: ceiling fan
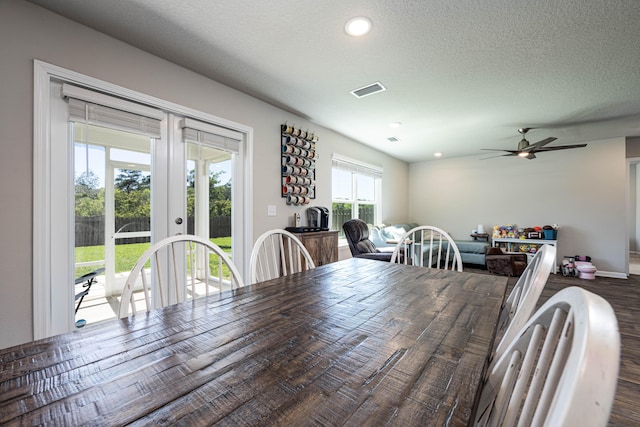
[(527, 150)]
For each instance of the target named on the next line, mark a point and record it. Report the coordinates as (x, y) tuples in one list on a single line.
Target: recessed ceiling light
[(395, 124), (437, 154), (358, 26)]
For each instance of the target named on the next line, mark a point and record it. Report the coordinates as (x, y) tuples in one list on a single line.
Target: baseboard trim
[(612, 274)]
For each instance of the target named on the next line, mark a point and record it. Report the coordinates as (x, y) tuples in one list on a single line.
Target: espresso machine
[(318, 218)]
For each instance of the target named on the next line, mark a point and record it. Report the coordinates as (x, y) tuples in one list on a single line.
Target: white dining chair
[(175, 269), (521, 302), (278, 253), (428, 246), (560, 370)]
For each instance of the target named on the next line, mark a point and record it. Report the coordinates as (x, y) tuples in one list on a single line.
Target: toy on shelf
[(504, 231), (547, 232)]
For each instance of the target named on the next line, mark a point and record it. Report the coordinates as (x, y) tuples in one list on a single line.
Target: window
[(356, 192)]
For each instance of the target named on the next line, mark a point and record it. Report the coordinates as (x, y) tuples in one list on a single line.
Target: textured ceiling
[(461, 74)]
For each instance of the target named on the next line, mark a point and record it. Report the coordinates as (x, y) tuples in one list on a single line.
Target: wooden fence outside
[(342, 213), (89, 231)]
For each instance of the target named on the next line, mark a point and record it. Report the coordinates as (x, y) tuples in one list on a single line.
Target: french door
[(114, 188), (113, 198)]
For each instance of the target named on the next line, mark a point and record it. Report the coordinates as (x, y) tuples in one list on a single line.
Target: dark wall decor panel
[(298, 165)]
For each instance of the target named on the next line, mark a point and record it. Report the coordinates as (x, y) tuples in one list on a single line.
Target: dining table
[(356, 342)]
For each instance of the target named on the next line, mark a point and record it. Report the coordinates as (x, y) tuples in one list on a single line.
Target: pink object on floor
[(586, 270)]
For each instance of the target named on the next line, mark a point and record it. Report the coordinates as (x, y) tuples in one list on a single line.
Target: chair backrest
[(278, 253), (357, 233), (494, 250), (159, 275), (560, 370), (521, 302), (428, 246)]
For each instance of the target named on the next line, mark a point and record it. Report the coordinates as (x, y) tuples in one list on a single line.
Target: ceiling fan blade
[(513, 152), (500, 155), (536, 146), (560, 147)]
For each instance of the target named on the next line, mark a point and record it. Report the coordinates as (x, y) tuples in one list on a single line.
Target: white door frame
[(631, 212), (49, 210)]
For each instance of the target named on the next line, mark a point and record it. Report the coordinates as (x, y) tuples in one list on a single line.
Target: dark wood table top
[(357, 342)]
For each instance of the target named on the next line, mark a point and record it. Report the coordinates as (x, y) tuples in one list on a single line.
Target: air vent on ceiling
[(368, 90), (392, 139)]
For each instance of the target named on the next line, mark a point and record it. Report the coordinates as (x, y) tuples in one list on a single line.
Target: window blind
[(211, 135), (96, 108), (355, 166)]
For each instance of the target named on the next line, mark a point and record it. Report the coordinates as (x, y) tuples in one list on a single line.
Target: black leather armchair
[(357, 234)]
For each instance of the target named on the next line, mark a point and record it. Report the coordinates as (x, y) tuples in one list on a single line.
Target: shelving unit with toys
[(512, 244)]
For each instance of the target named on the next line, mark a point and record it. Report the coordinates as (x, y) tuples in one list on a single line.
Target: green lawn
[(127, 255)]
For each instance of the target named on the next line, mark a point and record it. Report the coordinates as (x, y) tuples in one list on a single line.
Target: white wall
[(581, 190), (29, 32)]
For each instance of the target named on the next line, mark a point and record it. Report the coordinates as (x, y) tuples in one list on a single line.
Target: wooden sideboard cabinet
[(322, 246)]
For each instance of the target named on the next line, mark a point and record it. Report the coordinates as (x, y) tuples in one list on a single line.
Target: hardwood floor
[(624, 297)]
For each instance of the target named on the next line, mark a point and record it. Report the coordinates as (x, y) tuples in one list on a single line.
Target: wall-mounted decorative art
[(298, 165)]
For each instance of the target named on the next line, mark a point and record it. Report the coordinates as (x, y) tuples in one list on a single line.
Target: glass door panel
[(209, 200), (112, 214)]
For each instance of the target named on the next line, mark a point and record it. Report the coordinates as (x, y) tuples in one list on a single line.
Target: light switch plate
[(271, 210)]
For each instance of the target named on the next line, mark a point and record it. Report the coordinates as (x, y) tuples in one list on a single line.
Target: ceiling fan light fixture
[(528, 151), (358, 26)]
